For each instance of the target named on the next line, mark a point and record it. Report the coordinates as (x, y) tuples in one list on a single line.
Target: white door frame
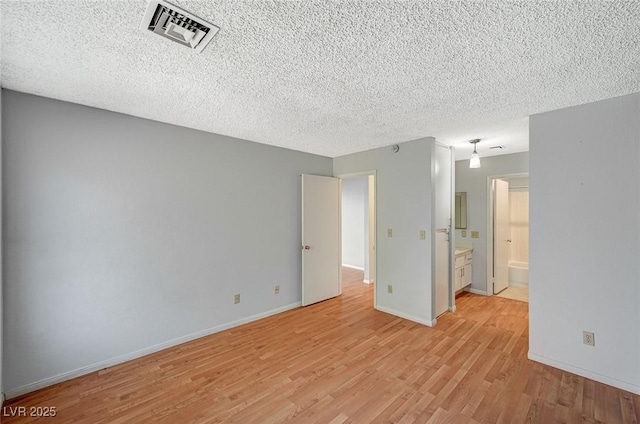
[(371, 236), (375, 223), (452, 234), (490, 207), (452, 294), (501, 234)]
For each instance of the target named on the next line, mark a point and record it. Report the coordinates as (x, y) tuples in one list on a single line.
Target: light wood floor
[(340, 361)]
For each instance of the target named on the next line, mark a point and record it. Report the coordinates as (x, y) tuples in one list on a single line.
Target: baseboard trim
[(518, 284), (452, 309), (406, 316), (367, 281), (623, 385), (480, 292), (359, 268), (142, 352)]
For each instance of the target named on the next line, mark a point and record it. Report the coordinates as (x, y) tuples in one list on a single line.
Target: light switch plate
[(475, 234), (389, 232), (464, 233)]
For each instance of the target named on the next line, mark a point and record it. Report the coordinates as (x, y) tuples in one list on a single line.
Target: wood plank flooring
[(340, 361)]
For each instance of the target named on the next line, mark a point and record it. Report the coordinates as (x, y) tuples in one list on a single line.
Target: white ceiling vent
[(178, 25)]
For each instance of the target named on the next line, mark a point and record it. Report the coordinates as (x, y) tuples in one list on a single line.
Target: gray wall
[(403, 203), (1, 260), (585, 240), (123, 235), (354, 226), (474, 182)]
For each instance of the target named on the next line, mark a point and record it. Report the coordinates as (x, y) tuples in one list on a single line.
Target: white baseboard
[(406, 316), (140, 353), (629, 387), (452, 309), (359, 268), (476, 291), (367, 281)]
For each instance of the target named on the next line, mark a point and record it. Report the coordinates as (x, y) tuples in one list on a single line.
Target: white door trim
[(490, 197), (373, 259), (450, 290), (452, 234)]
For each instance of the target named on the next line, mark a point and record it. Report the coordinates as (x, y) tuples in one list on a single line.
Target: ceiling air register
[(178, 25)]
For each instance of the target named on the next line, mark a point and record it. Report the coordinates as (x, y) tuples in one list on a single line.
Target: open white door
[(501, 237), (321, 261), (442, 228), (372, 229)]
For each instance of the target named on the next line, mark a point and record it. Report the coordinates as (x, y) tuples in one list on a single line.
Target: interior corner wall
[(403, 204), (1, 258), (585, 240), (474, 183), (354, 207), (124, 236)]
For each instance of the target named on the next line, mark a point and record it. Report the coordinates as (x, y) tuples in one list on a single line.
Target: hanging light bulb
[(474, 162)]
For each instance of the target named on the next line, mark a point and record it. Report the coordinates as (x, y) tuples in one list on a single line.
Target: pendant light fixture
[(474, 162)]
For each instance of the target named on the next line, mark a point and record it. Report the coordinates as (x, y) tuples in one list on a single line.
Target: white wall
[(354, 226), (403, 199), (474, 182), (585, 240), (124, 235)]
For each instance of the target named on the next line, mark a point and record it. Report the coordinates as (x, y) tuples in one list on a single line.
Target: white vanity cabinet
[(464, 268)]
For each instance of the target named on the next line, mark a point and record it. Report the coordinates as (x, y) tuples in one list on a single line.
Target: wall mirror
[(461, 210)]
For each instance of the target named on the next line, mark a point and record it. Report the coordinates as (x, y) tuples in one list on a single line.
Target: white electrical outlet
[(423, 234), (389, 288), (276, 290), (588, 338), (389, 232), (236, 298)]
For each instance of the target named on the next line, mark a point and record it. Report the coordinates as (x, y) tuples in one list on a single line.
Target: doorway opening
[(508, 245), (359, 230)]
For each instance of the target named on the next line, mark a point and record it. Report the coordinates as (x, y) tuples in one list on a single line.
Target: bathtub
[(518, 273)]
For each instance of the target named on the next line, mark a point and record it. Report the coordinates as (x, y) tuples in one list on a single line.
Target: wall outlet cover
[(389, 288), (464, 233), (475, 234), (389, 232), (588, 338), (236, 298)]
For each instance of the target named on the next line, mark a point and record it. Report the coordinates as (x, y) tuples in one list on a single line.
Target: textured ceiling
[(332, 77)]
